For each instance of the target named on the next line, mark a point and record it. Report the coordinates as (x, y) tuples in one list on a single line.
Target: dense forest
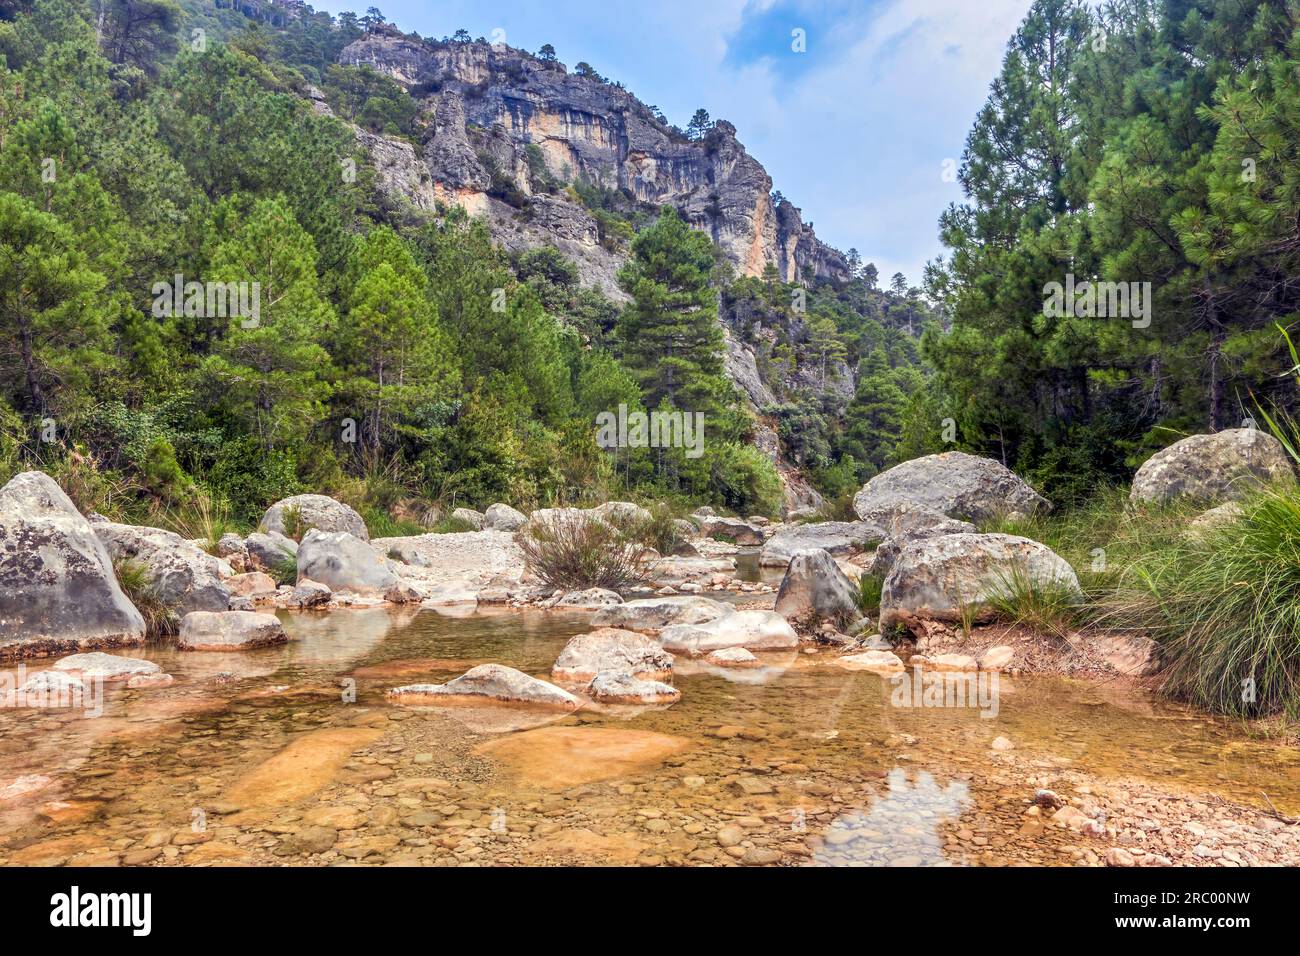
[(1152, 141), (405, 363), (399, 363)]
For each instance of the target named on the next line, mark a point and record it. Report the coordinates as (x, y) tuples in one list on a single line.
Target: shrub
[(1046, 606), (574, 552), (870, 588), (1224, 605), (159, 620), (660, 531)]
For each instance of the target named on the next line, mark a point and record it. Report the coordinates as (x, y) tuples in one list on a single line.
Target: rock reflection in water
[(901, 829)]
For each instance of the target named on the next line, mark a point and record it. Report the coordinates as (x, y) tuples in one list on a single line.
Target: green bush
[(1224, 604)]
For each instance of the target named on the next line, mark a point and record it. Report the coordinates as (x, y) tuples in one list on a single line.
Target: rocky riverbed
[(294, 755)]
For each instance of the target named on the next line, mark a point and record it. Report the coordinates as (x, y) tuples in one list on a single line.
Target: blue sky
[(854, 130)]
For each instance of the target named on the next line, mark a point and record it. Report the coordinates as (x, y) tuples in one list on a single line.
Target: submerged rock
[(937, 578), (876, 662), (654, 614), (57, 586), (625, 689), (313, 511), (229, 631), (951, 484), (754, 630), (610, 650), (1213, 468), (106, 667), (492, 682)]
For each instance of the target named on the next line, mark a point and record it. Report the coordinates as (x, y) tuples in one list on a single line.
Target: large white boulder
[(610, 650), (953, 484), (313, 511), (270, 550), (493, 682), (183, 576), (752, 630), (1213, 468), (501, 517), (57, 587), (97, 665), (229, 631), (814, 589), (840, 538), (936, 578), (343, 562)]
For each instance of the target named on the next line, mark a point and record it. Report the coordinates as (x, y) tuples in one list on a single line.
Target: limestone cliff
[(491, 113)]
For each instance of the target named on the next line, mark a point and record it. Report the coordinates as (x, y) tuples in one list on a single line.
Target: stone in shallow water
[(110, 667), (756, 630), (876, 662), (732, 657), (229, 631), (558, 757), (626, 689), (308, 763), (493, 682), (614, 651)]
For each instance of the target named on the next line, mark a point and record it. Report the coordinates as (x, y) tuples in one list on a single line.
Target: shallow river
[(292, 755)]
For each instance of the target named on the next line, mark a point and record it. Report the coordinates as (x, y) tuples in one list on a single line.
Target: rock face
[(953, 484), (184, 576), (814, 589), (343, 562), (313, 511), (752, 630), (498, 113), (935, 578), (610, 650), (650, 615), (229, 631), (492, 682), (839, 538), (500, 517), (1212, 468), (57, 587)]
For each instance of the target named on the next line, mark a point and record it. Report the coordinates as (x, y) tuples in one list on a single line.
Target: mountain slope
[(504, 134)]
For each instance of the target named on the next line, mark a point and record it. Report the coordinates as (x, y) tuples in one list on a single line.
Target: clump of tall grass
[(870, 589), (662, 529), (577, 551), (1224, 604), (1050, 607), (137, 585)]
